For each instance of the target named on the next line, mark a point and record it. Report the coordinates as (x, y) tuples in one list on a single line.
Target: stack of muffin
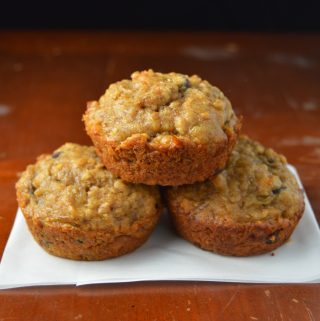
[(226, 194)]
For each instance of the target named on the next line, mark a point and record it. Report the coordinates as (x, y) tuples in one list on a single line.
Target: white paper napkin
[(164, 257)]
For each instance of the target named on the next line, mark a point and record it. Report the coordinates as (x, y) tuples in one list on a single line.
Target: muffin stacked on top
[(166, 129), (169, 130)]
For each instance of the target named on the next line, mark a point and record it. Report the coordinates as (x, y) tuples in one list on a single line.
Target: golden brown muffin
[(75, 208), (251, 207), (166, 129)]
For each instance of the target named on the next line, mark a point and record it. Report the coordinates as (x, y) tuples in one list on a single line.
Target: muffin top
[(255, 186), (72, 186), (161, 106)]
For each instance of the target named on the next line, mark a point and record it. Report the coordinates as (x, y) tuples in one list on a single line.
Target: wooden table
[(46, 79)]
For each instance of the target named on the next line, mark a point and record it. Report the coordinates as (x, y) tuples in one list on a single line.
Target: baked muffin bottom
[(177, 162), (71, 242), (251, 207), (228, 238)]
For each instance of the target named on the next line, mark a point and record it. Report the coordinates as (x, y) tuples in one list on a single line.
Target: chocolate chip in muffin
[(273, 238), (32, 190), (185, 85), (278, 190), (56, 154)]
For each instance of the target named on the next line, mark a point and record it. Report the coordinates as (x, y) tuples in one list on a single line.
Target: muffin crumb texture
[(161, 105), (256, 185)]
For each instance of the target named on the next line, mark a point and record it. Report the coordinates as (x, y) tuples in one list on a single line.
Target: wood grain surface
[(46, 79)]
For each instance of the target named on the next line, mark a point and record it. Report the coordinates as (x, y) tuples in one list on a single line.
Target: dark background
[(274, 16)]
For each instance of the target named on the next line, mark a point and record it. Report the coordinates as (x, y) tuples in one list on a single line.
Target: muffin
[(251, 207), (76, 209), (166, 129)]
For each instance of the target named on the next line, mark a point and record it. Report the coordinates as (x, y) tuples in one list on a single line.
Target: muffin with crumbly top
[(251, 207), (75, 208), (166, 129)]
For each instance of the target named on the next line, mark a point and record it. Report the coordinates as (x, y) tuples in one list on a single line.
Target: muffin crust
[(251, 207), (77, 209)]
